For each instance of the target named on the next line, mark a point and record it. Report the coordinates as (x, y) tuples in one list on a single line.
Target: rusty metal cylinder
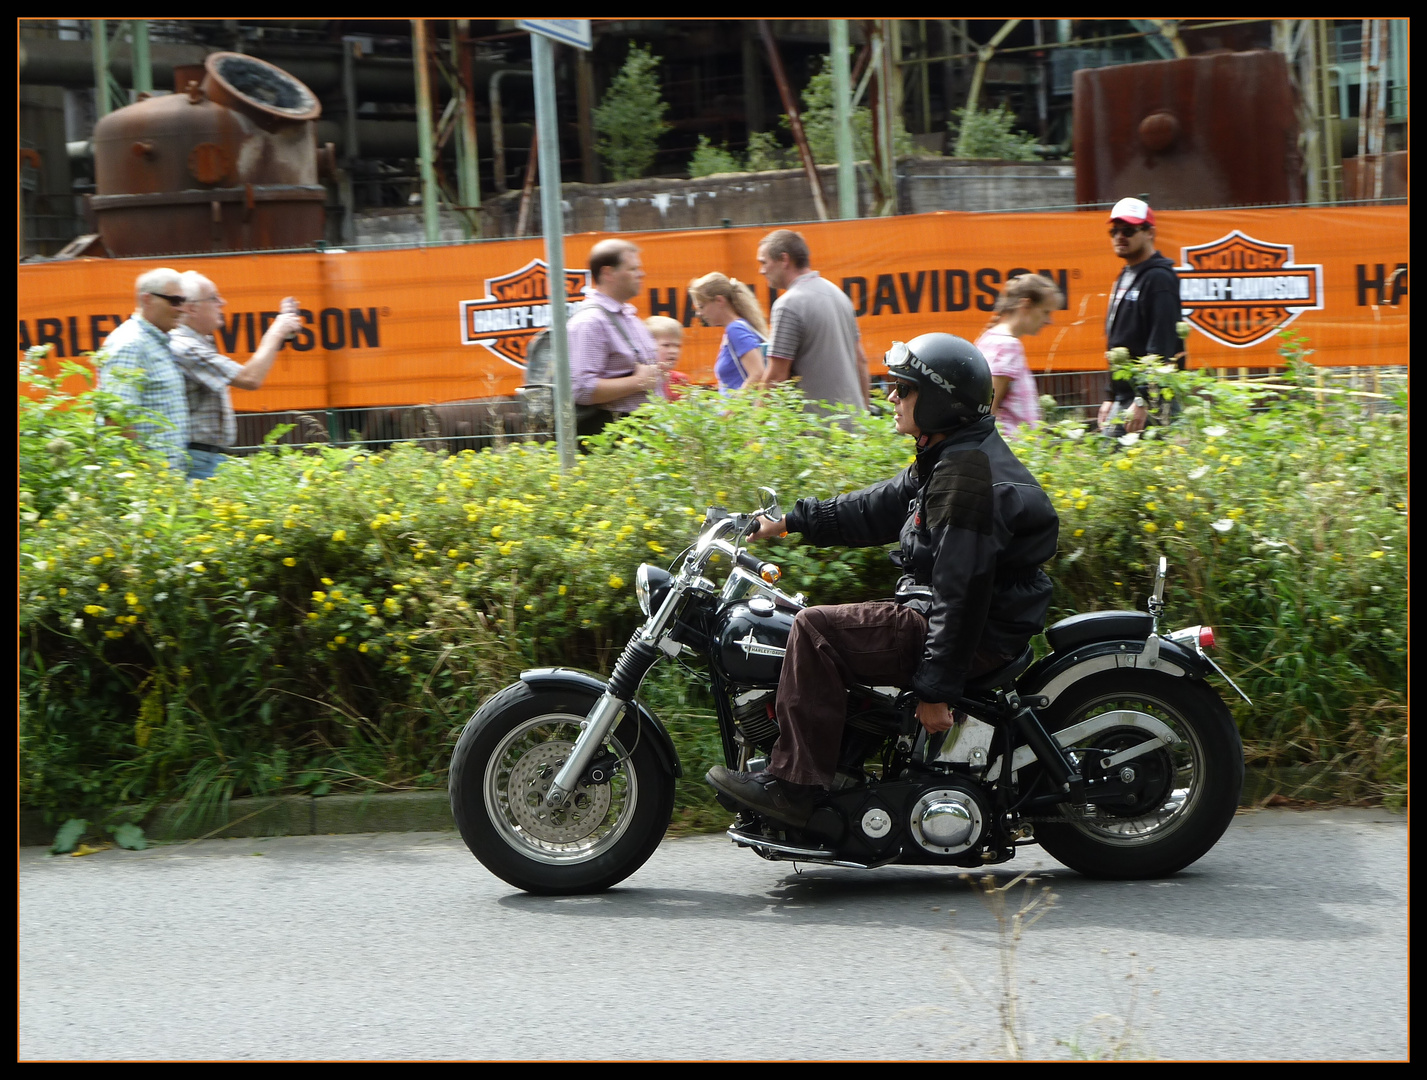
[(1220, 129), (228, 163)]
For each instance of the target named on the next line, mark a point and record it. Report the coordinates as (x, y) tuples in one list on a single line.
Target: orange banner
[(415, 325)]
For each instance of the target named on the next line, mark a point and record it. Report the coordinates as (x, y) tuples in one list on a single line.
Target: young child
[(668, 334)]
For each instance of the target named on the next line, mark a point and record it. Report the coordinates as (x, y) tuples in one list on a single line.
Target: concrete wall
[(768, 198)]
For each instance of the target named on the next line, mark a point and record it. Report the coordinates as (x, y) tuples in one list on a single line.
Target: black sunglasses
[(176, 301), (902, 389), (1126, 230)]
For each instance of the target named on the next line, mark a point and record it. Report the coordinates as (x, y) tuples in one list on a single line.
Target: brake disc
[(530, 779)]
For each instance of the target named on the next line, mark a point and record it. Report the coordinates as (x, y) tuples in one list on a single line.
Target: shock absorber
[(629, 671)]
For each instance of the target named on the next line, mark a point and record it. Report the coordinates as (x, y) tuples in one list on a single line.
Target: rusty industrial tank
[(1213, 130), (226, 163)]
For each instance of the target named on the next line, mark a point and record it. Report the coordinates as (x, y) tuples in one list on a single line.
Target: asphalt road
[(1288, 941)]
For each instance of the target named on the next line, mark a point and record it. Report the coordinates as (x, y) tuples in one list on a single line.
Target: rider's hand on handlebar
[(768, 527)]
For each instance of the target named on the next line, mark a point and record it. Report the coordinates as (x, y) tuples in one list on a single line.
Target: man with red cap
[(1144, 309)]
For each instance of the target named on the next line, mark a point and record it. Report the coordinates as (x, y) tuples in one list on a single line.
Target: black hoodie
[(1143, 321)]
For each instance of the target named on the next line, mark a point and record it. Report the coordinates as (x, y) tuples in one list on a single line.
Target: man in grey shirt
[(814, 335)]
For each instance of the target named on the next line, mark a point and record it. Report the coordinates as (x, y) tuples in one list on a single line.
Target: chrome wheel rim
[(1180, 781), (518, 777)]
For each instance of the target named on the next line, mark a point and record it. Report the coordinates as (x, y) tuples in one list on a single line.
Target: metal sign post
[(552, 223)]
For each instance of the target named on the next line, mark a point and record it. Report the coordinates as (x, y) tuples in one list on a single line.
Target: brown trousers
[(872, 644)]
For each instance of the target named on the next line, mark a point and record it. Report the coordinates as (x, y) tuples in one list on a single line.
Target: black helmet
[(952, 377)]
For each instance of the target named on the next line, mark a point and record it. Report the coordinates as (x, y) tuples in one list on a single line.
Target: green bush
[(327, 619), (709, 159), (991, 135), (630, 117)]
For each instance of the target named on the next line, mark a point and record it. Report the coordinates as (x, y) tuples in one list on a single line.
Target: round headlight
[(650, 586)]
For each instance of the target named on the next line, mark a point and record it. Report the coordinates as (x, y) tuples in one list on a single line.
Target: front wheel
[(504, 763), (1184, 795)]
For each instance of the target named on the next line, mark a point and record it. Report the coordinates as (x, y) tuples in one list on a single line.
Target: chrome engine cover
[(947, 821)]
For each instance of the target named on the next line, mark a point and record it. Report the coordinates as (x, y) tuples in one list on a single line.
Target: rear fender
[(548, 678), (1051, 675)]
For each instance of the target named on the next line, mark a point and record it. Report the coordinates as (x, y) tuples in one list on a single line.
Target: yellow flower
[(289, 562), (564, 589), (313, 615), (95, 559), (496, 530), (320, 596), (339, 534), (616, 582), (103, 587), (362, 647), (1150, 526), (1375, 554), (93, 609), (341, 639), (1079, 532), (452, 553), (1179, 525)]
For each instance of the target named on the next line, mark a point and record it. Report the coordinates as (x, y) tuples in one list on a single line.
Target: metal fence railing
[(451, 427)]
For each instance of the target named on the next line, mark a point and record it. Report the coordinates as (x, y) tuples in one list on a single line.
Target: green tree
[(820, 122), (630, 116), (709, 159), (991, 134)]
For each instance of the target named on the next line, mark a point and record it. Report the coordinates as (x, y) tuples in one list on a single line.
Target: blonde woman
[(1024, 308), (727, 302)]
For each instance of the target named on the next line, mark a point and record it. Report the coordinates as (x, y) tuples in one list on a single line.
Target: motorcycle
[(1112, 752)]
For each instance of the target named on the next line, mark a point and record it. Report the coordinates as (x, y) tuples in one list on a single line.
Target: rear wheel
[(504, 763), (1181, 798)]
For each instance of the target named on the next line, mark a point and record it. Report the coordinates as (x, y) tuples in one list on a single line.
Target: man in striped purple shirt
[(614, 362)]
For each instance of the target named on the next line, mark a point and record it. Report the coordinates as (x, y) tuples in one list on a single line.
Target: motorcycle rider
[(974, 527)]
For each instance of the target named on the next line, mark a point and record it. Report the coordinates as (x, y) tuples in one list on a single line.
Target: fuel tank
[(751, 637)]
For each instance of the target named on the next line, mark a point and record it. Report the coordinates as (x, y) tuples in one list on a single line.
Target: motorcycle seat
[(1094, 626), (1001, 677)]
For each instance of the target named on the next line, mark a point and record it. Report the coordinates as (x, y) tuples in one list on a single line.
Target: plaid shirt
[(206, 375), (599, 351), (138, 368)]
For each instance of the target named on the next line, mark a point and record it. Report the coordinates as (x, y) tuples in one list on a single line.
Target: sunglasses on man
[(1126, 230), (176, 301), (902, 389)]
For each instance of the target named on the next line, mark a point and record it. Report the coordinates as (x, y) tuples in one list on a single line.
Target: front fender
[(541, 678), (1049, 676)]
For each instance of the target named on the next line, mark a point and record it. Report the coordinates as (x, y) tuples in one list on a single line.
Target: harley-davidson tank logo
[(515, 308), (753, 647), (1240, 291)]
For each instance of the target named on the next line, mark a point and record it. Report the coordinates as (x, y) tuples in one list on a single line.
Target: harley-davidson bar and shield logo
[(1240, 291), (515, 309)]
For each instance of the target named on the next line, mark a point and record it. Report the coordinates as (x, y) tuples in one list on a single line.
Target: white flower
[(1129, 438), (125, 476), (92, 468), (135, 518), (1076, 433), (29, 515), (1216, 431), (160, 597), (1197, 473), (196, 565), (76, 624), (42, 564), (1223, 525)]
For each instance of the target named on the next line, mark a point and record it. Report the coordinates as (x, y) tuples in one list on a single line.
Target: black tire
[(1187, 793), (609, 831)]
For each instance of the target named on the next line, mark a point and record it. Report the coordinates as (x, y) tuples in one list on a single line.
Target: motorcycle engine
[(754, 719), (948, 819)]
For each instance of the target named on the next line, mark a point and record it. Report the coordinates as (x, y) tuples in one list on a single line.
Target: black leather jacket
[(975, 526)]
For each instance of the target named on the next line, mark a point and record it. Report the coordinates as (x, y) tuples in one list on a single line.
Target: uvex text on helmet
[(952, 377)]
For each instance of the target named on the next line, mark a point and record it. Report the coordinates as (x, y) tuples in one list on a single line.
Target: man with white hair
[(207, 374), (138, 367)]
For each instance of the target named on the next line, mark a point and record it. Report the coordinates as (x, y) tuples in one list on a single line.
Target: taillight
[(1206, 637)]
